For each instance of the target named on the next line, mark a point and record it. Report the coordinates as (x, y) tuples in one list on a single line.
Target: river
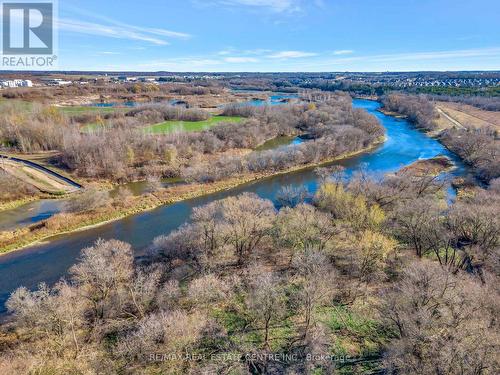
[(49, 261)]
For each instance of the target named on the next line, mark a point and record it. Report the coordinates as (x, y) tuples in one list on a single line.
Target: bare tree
[(89, 200), (102, 273), (247, 219), (317, 280), (445, 324), (266, 303), (303, 227)]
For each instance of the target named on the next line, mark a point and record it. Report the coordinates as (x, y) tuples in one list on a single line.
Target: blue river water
[(50, 261)]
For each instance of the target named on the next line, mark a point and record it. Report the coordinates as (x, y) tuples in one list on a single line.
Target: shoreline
[(433, 167), (12, 205), (21, 238), (391, 113), (7, 206)]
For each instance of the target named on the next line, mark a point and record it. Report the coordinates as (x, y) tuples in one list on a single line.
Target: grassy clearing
[(429, 167), (79, 110), (93, 127), (276, 142), (187, 126), (40, 180), (355, 335), (10, 205)]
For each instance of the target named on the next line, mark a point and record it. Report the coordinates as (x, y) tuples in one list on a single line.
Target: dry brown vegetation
[(12, 189), (111, 92), (429, 167), (478, 147), (418, 109), (381, 271)]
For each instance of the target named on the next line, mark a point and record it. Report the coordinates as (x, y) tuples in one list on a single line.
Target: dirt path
[(449, 118)]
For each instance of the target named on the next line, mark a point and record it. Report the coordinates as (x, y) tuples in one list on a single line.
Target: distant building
[(127, 79), (147, 80), (56, 82), (16, 83)]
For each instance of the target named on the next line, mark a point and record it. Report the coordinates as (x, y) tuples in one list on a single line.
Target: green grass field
[(187, 126), (78, 110)]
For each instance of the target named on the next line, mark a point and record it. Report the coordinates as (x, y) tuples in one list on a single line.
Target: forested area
[(378, 271), (418, 109), (122, 150), (369, 275), (473, 92), (333, 126), (478, 147)]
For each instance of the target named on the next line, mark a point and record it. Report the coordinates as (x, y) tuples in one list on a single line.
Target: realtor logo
[(28, 28)]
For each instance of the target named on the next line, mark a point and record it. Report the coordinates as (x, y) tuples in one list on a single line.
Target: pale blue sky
[(279, 35)]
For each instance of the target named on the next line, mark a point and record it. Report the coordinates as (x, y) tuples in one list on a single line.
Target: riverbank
[(10, 205), (391, 113), (429, 167), (68, 223)]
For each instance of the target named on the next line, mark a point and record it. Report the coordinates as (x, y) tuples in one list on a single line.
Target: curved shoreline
[(18, 203), (153, 201)]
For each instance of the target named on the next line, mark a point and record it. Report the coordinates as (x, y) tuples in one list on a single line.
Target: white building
[(57, 82), (16, 83)]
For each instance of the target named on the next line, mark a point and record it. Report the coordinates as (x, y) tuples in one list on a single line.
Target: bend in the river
[(50, 261)]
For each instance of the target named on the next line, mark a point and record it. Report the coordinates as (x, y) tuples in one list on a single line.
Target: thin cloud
[(181, 64), (241, 60), (216, 62), (163, 32), (343, 52), (421, 56), (396, 59), (90, 28), (278, 6), (480, 52), (291, 55), (253, 52), (108, 27)]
